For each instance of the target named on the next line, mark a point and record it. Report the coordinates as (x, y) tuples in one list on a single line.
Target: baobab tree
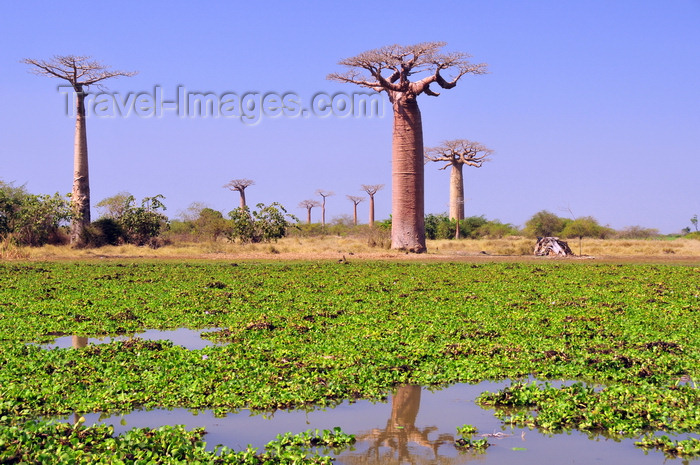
[(239, 185), (81, 72), (324, 194), (456, 154), (355, 201), (389, 69), (371, 189), (309, 204)]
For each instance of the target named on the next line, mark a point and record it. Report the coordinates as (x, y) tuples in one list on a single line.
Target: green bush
[(31, 219), (545, 224), (266, 224)]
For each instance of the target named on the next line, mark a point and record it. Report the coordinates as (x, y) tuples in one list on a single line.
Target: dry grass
[(335, 247)]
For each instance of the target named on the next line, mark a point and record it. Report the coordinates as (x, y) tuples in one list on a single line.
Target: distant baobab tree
[(239, 185), (81, 72), (309, 204), (388, 69), (371, 189), (324, 194), (456, 154), (355, 201)]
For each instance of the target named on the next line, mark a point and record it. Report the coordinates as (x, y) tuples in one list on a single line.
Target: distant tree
[(637, 232), (544, 224), (355, 201), (309, 204), (371, 190), (389, 69), (324, 194), (240, 185), (586, 226), (81, 72), (694, 221), (114, 206), (456, 154), (211, 224)]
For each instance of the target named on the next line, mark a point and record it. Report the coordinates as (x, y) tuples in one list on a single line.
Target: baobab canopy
[(390, 67)]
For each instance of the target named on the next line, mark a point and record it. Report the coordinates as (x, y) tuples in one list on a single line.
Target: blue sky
[(591, 107)]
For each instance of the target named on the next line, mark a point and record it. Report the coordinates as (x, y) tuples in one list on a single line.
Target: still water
[(414, 426)]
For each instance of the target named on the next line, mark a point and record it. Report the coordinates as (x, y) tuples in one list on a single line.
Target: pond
[(188, 338), (415, 426)]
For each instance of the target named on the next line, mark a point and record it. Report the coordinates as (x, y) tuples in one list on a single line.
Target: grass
[(334, 247)]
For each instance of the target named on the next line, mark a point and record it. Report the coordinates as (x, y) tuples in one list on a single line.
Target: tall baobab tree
[(239, 185), (355, 201), (456, 154), (371, 189), (324, 194), (81, 72), (309, 204), (389, 69)]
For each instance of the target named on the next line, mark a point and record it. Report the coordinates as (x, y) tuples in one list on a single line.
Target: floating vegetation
[(301, 334)]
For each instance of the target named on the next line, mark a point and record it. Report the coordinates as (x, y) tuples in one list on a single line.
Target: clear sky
[(592, 107)]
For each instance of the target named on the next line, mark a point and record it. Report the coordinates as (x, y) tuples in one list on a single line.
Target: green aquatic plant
[(671, 448)]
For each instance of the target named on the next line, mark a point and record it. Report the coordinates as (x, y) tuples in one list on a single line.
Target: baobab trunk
[(371, 211), (456, 192), (80, 196), (408, 222), (242, 192)]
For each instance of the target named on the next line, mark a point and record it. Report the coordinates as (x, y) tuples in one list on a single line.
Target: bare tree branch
[(355, 199), (239, 184), (324, 193), (79, 71), (372, 189), (389, 68), (308, 204), (459, 151)]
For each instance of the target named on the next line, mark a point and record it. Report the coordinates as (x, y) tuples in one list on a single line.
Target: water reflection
[(391, 444), (416, 427), (188, 338), (78, 342)]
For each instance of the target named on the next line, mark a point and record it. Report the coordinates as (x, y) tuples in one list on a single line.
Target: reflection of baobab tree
[(78, 342), (391, 445)]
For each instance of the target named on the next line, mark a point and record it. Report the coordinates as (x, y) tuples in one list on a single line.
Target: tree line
[(39, 219)]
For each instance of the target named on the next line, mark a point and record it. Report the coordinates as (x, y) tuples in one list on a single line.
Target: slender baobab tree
[(324, 194), (456, 154), (355, 201), (239, 185), (81, 72), (371, 189), (309, 204), (389, 69)]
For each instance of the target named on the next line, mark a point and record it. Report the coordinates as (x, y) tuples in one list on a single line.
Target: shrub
[(637, 232), (545, 224), (31, 219), (266, 224), (142, 224), (104, 231)]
